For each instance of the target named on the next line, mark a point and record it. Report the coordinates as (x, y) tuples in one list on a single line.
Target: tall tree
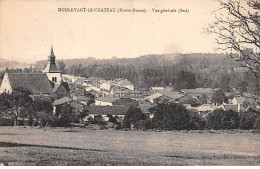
[(218, 97), (133, 117), (20, 99), (170, 116), (237, 26), (61, 66)]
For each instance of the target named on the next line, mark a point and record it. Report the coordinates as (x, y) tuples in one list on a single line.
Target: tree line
[(174, 116)]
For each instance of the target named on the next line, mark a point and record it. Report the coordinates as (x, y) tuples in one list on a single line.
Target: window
[(54, 79)]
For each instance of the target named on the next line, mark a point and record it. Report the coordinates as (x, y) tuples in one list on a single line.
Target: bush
[(196, 122), (66, 115), (44, 118), (112, 119), (170, 116), (133, 117), (250, 120), (146, 124), (219, 119)]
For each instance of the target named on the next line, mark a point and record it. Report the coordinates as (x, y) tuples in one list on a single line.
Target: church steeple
[(52, 70), (51, 66), (52, 56), (52, 53)]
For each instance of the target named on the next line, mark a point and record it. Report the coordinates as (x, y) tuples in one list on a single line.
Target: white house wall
[(5, 86), (101, 103)]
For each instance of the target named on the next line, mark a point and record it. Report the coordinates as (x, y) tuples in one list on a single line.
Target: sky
[(28, 28)]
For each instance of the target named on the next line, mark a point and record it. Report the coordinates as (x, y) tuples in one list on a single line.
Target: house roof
[(199, 91), (204, 108), (172, 94), (107, 81), (55, 86), (124, 82), (35, 82), (79, 80), (108, 98), (240, 100), (62, 101), (118, 79), (157, 88), (82, 98), (104, 110), (154, 96), (126, 102), (230, 107), (76, 105), (94, 79)]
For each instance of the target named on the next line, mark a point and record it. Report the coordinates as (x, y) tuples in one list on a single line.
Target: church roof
[(37, 83), (51, 68)]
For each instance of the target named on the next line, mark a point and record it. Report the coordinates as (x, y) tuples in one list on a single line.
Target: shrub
[(66, 115), (170, 116), (133, 117), (250, 120), (219, 119)]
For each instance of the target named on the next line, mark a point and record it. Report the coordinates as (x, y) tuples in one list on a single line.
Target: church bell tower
[(51, 69)]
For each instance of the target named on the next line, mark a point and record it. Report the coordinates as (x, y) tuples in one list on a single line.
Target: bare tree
[(237, 26)]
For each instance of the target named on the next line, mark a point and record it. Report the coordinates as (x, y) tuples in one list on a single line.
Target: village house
[(135, 95), (61, 89), (157, 89), (102, 112), (228, 107), (59, 102), (169, 95), (106, 85), (145, 108), (76, 91), (105, 101), (155, 97), (92, 88), (200, 93), (93, 81), (126, 102), (82, 99), (239, 102), (68, 78), (80, 81), (124, 83), (204, 109), (77, 105)]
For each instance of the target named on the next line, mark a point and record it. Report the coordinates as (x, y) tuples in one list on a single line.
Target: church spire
[(52, 53)]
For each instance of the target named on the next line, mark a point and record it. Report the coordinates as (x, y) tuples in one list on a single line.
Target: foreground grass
[(19, 146)]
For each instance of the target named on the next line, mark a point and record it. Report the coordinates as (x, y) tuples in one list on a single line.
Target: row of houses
[(101, 97)]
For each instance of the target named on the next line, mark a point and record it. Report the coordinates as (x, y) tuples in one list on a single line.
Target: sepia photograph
[(130, 83)]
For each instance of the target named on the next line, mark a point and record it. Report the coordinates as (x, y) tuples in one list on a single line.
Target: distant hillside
[(177, 70), (12, 64), (142, 61)]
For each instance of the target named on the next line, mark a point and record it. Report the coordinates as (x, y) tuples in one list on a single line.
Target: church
[(51, 69), (46, 84)]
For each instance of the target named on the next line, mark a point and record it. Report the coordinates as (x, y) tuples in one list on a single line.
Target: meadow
[(77, 146)]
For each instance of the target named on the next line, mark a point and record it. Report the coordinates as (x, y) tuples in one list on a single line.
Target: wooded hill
[(178, 70)]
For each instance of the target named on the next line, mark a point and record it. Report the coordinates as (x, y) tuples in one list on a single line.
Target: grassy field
[(60, 146)]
